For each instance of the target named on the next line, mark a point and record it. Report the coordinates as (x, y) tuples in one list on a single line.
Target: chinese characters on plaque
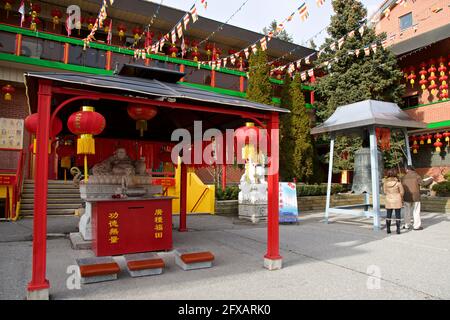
[(113, 227), (11, 133), (159, 224)]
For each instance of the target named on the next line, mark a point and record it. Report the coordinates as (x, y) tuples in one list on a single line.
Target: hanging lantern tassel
[(86, 144), (141, 125)]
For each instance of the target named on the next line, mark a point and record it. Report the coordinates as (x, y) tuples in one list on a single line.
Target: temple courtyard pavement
[(344, 259)]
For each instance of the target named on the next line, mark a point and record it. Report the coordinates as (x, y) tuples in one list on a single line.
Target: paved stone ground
[(320, 262)]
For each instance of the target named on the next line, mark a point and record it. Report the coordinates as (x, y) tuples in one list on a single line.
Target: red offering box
[(125, 226)]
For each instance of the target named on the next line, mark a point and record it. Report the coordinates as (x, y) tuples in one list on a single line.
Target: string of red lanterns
[(438, 144)]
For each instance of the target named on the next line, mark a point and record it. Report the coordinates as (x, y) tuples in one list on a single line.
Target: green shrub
[(442, 189), (447, 176), (230, 193), (305, 190)]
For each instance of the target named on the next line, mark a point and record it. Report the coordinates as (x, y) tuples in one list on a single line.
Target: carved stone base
[(253, 212)]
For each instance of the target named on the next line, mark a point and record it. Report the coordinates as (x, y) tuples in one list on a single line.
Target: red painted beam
[(164, 104), (38, 276)]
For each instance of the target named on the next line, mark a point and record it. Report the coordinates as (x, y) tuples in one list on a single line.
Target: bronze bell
[(362, 178)]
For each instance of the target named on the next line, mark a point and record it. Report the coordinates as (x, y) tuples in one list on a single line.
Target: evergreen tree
[(297, 150), (259, 87), (283, 35), (350, 78)]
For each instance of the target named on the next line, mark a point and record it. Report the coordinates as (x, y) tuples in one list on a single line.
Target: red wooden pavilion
[(56, 94)]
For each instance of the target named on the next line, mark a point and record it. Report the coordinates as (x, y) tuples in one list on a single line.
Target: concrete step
[(66, 196), (54, 200), (51, 212), (30, 206), (52, 187), (60, 182), (53, 191)]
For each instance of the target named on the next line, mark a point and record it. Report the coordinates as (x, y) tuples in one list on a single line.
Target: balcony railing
[(49, 50)]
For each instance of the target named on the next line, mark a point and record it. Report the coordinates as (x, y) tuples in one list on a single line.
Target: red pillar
[(224, 177), (272, 259), (39, 285), (183, 198)]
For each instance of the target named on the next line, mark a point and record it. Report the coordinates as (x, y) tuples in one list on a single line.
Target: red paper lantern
[(429, 137), (173, 50), (56, 16), (142, 114), (35, 8), (446, 136), (31, 124), (106, 24), (8, 91), (137, 32), (442, 68), (231, 52), (122, 29), (216, 53), (86, 124), (33, 22), (438, 145), (8, 7), (412, 76), (384, 138), (415, 148), (423, 76), (432, 78), (209, 47), (91, 22), (422, 139)]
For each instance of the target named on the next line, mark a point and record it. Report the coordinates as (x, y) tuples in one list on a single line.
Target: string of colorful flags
[(303, 13), (224, 23), (177, 30), (150, 24), (102, 15)]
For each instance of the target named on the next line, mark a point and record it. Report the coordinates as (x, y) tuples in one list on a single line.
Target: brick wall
[(431, 113), (15, 109), (422, 16)]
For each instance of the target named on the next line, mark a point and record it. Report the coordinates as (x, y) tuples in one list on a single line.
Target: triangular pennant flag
[(351, 53), (321, 52), (367, 51), (225, 61), (400, 2), (180, 30), (270, 35), (357, 51), (333, 46), (186, 20), (280, 28), (386, 13), (246, 53), (205, 4), (174, 36), (233, 60), (307, 60), (351, 34), (374, 47), (320, 3), (290, 17), (392, 37), (299, 64), (341, 42), (311, 73), (263, 42), (22, 14), (183, 48), (361, 30), (254, 49), (384, 44), (303, 11), (303, 76), (194, 14)]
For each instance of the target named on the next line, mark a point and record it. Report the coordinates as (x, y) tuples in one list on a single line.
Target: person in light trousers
[(411, 183)]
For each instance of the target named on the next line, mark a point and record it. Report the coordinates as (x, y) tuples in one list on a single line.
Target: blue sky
[(257, 14)]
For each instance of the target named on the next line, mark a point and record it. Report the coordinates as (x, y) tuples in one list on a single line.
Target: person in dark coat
[(411, 183), (393, 189)]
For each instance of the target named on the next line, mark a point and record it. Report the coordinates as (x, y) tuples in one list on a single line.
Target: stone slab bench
[(93, 270), (192, 259), (144, 264)]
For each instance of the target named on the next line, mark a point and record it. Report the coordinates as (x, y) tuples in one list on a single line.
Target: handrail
[(17, 193), (199, 199)]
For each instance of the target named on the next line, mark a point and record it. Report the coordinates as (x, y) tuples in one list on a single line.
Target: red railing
[(15, 182)]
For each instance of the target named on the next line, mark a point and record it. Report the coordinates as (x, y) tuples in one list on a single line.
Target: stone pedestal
[(253, 212), (42, 294), (273, 264)]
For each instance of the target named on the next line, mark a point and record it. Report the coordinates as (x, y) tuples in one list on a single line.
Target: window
[(406, 21), (411, 101)]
